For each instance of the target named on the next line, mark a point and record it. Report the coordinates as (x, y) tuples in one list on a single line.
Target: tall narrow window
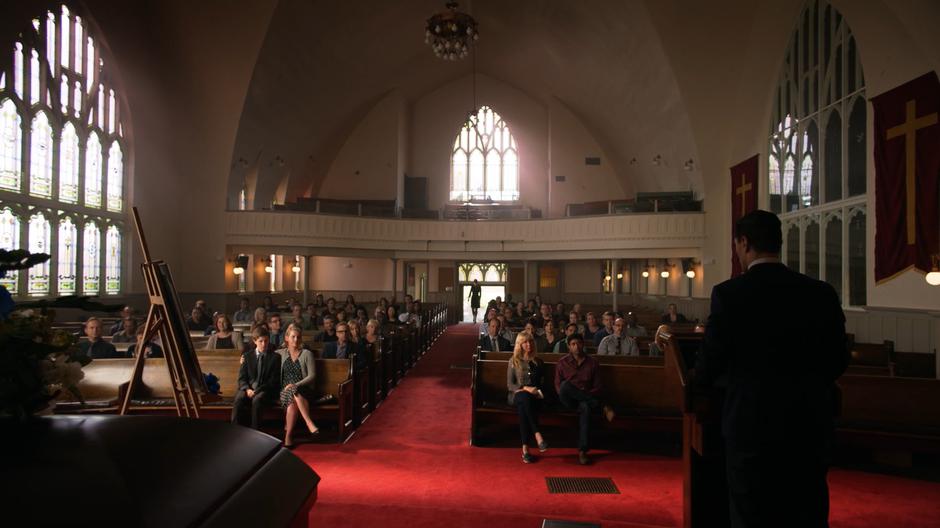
[(115, 177), (9, 240), (484, 160), (39, 240), (68, 237), (11, 141), (68, 165), (820, 93), (40, 152), (93, 160), (112, 264), (91, 259)]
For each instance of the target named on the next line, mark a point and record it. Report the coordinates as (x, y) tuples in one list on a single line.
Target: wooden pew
[(644, 392), (889, 413), (102, 387), (333, 377)]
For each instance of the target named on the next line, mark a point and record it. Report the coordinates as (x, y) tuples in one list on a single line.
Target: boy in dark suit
[(259, 379), (776, 338)]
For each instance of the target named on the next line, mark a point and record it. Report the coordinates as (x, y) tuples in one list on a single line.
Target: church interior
[(592, 154)]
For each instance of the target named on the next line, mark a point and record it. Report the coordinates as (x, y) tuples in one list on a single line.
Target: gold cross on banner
[(742, 190), (909, 129)]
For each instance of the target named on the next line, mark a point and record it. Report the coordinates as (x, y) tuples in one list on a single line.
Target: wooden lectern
[(165, 318), (704, 484)]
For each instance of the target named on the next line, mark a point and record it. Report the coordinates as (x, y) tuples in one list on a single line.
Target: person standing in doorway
[(476, 291)]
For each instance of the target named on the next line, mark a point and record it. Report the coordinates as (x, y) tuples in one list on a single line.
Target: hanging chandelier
[(450, 33)]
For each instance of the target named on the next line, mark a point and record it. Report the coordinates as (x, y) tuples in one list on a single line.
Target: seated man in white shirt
[(618, 343)]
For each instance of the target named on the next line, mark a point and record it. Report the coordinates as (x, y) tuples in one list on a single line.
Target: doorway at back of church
[(492, 277)]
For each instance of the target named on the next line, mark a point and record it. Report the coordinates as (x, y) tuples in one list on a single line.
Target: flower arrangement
[(37, 361)]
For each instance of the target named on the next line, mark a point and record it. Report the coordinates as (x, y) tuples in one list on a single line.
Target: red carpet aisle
[(410, 465)]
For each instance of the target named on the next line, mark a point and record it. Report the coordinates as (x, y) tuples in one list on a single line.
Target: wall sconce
[(658, 160), (645, 274), (689, 266), (241, 262), (268, 266), (689, 165), (295, 268), (933, 278), (620, 276), (664, 274)]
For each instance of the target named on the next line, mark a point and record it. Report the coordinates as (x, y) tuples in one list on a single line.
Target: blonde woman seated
[(373, 338), (225, 336), (656, 345), (260, 317), (297, 376), (524, 375)]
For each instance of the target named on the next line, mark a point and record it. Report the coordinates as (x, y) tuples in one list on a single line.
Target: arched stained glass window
[(91, 258), (61, 140), (483, 272), (39, 236), (112, 264), (68, 241), (68, 165), (115, 177), (11, 145), (40, 152), (9, 240), (820, 99), (485, 160), (93, 171)]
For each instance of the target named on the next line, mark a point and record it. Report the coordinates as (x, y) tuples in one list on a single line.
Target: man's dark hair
[(762, 230), (574, 337)]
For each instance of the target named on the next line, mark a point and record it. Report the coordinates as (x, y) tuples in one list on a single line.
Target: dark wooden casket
[(149, 471)]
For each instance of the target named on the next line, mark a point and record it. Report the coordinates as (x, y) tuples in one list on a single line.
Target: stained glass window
[(112, 263), (820, 98), (49, 109), (68, 240), (93, 169), (39, 240), (68, 165), (91, 259), (11, 141), (40, 151), (9, 240), (115, 177), (485, 160)]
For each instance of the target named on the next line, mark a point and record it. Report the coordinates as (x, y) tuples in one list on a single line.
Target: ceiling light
[(450, 33)]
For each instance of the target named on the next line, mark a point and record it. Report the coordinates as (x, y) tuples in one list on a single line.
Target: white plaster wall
[(569, 143), (366, 167), (363, 274)]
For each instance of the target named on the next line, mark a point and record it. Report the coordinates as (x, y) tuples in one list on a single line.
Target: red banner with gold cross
[(907, 171), (743, 198)]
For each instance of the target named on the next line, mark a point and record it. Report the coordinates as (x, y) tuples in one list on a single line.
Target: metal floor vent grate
[(592, 485)]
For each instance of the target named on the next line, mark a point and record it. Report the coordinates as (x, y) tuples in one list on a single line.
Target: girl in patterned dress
[(297, 376)]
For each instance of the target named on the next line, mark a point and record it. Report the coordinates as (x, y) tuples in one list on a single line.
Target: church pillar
[(308, 259), (394, 278), (614, 282), (525, 281)]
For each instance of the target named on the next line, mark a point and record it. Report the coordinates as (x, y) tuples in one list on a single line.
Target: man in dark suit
[(95, 347), (259, 379), (776, 339), (492, 341)]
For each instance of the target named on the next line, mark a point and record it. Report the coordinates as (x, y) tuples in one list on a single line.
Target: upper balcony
[(629, 235)]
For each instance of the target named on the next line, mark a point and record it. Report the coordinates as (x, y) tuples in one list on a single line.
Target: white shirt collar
[(764, 260)]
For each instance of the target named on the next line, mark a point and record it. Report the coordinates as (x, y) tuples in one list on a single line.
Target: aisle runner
[(410, 465)]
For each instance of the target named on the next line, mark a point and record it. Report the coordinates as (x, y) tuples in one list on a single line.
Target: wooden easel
[(166, 319)]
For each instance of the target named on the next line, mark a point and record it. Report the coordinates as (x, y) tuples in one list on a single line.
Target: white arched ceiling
[(324, 64)]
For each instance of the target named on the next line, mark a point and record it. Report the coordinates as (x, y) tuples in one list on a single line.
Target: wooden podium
[(165, 318), (704, 484)]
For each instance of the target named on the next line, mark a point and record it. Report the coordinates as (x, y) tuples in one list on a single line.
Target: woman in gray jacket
[(297, 376), (524, 382)]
